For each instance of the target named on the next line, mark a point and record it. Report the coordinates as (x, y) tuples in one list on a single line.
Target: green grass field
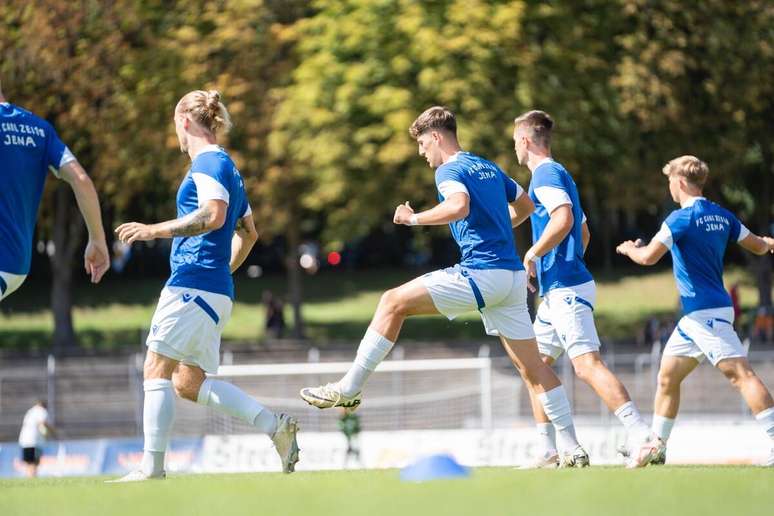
[(663, 491), (338, 305)]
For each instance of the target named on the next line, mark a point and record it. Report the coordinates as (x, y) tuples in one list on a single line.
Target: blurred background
[(322, 94)]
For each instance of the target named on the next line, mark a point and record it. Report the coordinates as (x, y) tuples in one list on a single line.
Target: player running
[(481, 205), (213, 235), (565, 318), (697, 235), (29, 147)]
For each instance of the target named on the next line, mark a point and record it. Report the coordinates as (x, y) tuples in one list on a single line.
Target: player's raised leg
[(395, 305), (192, 384)]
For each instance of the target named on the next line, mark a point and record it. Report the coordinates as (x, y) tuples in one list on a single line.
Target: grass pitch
[(652, 491)]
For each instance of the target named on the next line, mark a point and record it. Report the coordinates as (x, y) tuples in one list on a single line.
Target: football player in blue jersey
[(481, 205), (697, 235), (212, 235), (29, 148), (565, 318)]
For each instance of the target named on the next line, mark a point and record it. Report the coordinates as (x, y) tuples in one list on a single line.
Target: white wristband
[(530, 256), (413, 220)]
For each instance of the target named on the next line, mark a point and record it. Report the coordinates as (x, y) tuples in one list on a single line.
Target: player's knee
[(392, 302), (667, 382), (737, 375)]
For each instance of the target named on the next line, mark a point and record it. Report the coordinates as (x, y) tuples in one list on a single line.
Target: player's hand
[(134, 232), (96, 260), (770, 242), (529, 267), (403, 214), (624, 247)]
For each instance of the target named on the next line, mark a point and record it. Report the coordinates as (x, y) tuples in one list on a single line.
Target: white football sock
[(557, 408), (157, 416), (232, 400), (372, 350), (662, 426), (766, 418), (631, 419), (547, 437)]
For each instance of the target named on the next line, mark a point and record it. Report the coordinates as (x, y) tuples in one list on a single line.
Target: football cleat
[(770, 461), (578, 458), (285, 442), (137, 476), (548, 460), (329, 396), (652, 449)]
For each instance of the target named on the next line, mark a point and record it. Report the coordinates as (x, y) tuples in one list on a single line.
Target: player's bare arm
[(96, 259), (245, 237), (757, 244), (520, 210), (642, 254), (557, 230), (209, 217), (455, 207)]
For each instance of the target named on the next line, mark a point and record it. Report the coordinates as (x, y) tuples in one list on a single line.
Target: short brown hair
[(539, 124), (437, 117), (207, 110), (694, 170)]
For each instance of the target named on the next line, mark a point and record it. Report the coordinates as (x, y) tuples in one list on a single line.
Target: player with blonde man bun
[(697, 235), (565, 318), (212, 236)]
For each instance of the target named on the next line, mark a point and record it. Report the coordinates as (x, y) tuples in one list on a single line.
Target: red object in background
[(334, 258)]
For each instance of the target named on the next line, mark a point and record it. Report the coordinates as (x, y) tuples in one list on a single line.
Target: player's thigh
[(188, 379), (548, 340), (674, 369), (450, 292), (412, 298)]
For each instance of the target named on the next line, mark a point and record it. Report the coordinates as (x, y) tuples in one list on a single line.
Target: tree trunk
[(68, 233), (762, 264), (294, 277)]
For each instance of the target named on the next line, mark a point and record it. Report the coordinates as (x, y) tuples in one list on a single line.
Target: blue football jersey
[(562, 266), (485, 236), (29, 147), (202, 261), (697, 235)]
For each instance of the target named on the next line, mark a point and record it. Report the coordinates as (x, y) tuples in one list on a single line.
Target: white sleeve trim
[(449, 187), (67, 157), (552, 197), (248, 211), (743, 232), (519, 189), (208, 189), (584, 219), (664, 236)]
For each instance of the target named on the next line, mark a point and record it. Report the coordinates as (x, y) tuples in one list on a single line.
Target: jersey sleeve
[(209, 174), (673, 227), (57, 153), (448, 180), (513, 190), (549, 189), (738, 230)]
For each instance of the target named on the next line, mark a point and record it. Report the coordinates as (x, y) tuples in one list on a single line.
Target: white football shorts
[(500, 295), (707, 333), (187, 326), (565, 321), (9, 283)]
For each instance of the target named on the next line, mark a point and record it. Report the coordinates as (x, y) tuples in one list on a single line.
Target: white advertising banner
[(710, 443)]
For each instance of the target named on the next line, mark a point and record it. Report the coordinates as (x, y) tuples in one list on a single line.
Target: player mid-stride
[(697, 235), (213, 235), (481, 205), (565, 318)]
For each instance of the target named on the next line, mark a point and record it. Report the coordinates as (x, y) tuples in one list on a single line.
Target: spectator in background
[(735, 303), (275, 315), (763, 327), (35, 429), (349, 424)]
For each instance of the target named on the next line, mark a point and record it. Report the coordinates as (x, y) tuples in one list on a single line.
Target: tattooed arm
[(243, 240), (209, 217)]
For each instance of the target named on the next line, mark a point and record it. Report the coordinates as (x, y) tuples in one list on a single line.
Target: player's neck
[(536, 158), (447, 152), (687, 196), (196, 144)]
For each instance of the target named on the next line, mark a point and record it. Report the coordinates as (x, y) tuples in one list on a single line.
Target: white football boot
[(329, 396), (770, 461), (548, 460), (137, 476), (654, 449), (578, 458), (285, 442)]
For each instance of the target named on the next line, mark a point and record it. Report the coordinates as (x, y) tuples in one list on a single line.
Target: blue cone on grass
[(433, 467)]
